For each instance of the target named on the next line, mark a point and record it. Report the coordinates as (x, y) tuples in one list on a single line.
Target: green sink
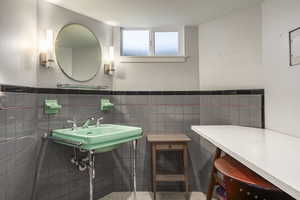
[(101, 139)]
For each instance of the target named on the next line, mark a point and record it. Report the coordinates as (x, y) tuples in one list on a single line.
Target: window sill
[(153, 59)]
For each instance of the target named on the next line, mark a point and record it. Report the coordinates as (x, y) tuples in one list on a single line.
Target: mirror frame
[(100, 47)]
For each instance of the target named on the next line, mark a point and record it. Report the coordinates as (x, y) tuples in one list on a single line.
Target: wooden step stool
[(169, 142)]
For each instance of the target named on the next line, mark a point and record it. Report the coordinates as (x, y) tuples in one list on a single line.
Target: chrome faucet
[(99, 121), (74, 125), (87, 123)]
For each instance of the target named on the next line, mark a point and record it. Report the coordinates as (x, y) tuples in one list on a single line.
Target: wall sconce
[(109, 67), (46, 50)]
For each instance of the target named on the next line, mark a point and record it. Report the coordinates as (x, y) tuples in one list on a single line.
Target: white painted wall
[(18, 52), (282, 81), (54, 17), (230, 51), (18, 42), (159, 76)]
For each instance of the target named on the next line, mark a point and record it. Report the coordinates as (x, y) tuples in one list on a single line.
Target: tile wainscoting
[(22, 123)]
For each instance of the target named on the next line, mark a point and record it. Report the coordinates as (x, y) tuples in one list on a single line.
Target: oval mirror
[(78, 52)]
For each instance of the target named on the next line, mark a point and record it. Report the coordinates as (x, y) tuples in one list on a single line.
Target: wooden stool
[(240, 183), (168, 142)]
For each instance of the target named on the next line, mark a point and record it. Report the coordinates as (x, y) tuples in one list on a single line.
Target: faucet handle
[(73, 123), (99, 121)]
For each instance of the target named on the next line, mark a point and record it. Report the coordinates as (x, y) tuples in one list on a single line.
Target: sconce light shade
[(46, 50), (49, 36), (111, 53), (43, 46), (109, 68)]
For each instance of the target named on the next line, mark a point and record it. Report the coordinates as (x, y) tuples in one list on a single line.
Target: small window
[(166, 43), (135, 42), (152, 42)]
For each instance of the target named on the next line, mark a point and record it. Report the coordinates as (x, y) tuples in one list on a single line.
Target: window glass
[(166, 44), (135, 42)]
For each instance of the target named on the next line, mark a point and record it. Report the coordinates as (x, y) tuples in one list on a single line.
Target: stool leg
[(154, 170), (212, 179)]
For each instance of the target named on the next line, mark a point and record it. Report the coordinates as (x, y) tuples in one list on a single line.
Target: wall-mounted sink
[(96, 139), (103, 138)]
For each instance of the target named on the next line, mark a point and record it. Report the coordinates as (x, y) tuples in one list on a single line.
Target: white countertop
[(270, 154)]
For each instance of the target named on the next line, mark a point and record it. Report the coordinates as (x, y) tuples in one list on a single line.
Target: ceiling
[(154, 13)]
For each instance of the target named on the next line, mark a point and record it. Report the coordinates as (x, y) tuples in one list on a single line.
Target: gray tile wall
[(22, 122), (59, 178), (175, 114), (17, 147)]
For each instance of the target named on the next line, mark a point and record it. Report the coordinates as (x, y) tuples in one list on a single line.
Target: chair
[(240, 183)]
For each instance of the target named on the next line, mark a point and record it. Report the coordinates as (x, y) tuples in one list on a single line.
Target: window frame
[(180, 43), (133, 29), (152, 31), (154, 42)]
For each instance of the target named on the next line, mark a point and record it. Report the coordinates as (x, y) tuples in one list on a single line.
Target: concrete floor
[(148, 196)]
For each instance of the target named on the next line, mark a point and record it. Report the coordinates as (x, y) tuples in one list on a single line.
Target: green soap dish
[(106, 105), (52, 107)]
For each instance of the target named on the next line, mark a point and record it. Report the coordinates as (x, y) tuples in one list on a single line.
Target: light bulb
[(43, 46), (111, 54), (49, 36)]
